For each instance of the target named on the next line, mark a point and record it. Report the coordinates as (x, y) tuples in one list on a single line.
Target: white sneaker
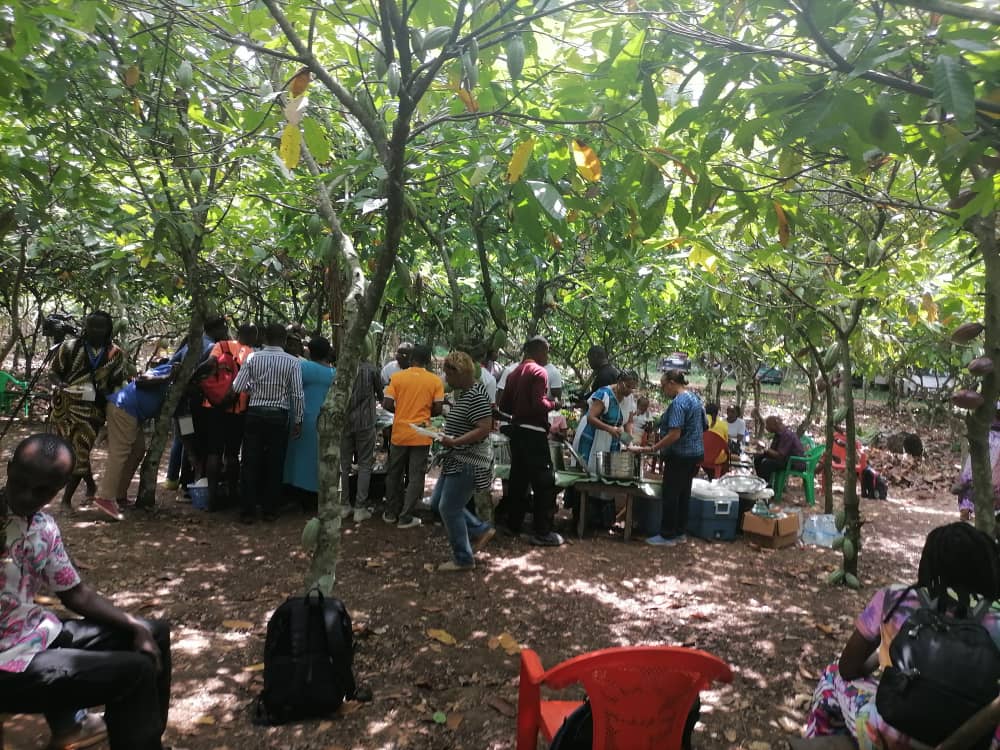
[(361, 514), (409, 524)]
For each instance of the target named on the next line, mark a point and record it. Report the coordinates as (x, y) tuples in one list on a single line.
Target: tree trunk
[(852, 505), (979, 420)]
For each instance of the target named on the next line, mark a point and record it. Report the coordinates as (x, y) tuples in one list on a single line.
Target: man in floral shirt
[(109, 658)]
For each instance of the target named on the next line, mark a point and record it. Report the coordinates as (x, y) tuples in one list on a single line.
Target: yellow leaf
[(587, 163), (507, 642), (237, 624), (930, 307), (136, 106), (259, 667), (702, 256), (300, 82), (519, 160), (784, 232), (291, 145), (470, 102), (132, 75), (442, 635), (993, 98)]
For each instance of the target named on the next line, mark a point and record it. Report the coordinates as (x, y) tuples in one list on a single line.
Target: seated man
[(785, 443), (109, 658)]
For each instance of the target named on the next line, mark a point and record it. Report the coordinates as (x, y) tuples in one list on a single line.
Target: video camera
[(58, 326)]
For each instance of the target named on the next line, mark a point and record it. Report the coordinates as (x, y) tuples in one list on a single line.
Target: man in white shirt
[(737, 429), (401, 362)]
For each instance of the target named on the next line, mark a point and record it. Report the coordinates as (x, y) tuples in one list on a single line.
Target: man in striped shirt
[(273, 378)]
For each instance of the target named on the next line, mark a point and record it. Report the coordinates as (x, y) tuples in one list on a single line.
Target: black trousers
[(265, 442), (530, 465), (678, 471), (90, 664), (766, 467)]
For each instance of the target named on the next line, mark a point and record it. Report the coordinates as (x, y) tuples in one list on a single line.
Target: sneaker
[(454, 567), (389, 517), (661, 541), (171, 485), (409, 523), (361, 514), (247, 518), (91, 731), (108, 507), (483, 539), (552, 539), (345, 511)]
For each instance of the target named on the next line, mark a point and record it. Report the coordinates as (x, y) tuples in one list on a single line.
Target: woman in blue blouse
[(682, 448)]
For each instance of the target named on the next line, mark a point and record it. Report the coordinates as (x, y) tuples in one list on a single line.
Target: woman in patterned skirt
[(85, 371)]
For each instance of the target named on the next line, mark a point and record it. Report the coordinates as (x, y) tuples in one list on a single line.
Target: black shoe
[(552, 539), (247, 518), (270, 517)]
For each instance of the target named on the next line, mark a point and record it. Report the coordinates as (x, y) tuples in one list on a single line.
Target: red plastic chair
[(838, 456), (714, 444), (640, 695)]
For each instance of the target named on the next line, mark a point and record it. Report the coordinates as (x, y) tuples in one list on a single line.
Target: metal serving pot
[(620, 465)]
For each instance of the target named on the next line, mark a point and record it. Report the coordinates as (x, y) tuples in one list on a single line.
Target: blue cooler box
[(713, 512)]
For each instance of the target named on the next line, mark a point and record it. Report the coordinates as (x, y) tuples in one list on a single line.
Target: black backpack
[(944, 669), (577, 730), (308, 653)]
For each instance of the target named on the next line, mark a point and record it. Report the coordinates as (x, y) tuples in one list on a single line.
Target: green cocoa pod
[(185, 75), (469, 70), (835, 577), (838, 543), (379, 64), (393, 78), (832, 357), (840, 520), (314, 225), (875, 254), (437, 37), (981, 366), (473, 49), (310, 534), (966, 332), (966, 399), (840, 415), (196, 178), (417, 43), (499, 340), (515, 57), (852, 581), (849, 552)]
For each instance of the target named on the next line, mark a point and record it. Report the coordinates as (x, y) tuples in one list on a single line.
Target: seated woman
[(466, 461), (721, 428), (956, 560), (963, 485)]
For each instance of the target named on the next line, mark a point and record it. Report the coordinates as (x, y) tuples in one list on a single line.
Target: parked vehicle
[(921, 383), (676, 361), (769, 375)]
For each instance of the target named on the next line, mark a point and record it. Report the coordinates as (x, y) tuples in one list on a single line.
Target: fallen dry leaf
[(509, 644), (758, 745), (730, 735), (373, 563), (348, 707), (502, 706), (493, 643), (429, 567), (206, 720), (259, 667), (237, 624), (442, 635), (828, 629), (453, 721)]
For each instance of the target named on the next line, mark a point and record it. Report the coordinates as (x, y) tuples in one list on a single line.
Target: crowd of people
[(247, 424)]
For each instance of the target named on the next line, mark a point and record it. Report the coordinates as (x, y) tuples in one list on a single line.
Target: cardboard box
[(774, 533)]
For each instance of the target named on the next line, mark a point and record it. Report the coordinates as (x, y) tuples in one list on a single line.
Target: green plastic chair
[(9, 397), (811, 460)]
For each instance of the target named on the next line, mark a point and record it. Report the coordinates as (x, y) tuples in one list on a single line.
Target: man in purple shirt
[(530, 462), (785, 443)]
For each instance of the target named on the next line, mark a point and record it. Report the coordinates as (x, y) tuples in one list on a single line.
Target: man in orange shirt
[(414, 395)]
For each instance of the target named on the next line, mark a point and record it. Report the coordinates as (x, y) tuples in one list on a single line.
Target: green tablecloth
[(564, 479)]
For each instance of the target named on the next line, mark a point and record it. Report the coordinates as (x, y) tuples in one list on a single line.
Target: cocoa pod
[(966, 332), (967, 399), (981, 366)]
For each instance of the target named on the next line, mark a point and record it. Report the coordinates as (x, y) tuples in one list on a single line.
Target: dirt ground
[(768, 614)]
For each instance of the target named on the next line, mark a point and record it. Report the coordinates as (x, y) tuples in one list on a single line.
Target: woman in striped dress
[(466, 461)]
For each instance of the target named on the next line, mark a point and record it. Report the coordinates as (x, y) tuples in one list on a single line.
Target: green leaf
[(549, 198), (953, 89), (316, 140), (440, 717), (55, 92), (650, 102)]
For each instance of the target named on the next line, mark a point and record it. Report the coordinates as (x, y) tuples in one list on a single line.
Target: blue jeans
[(451, 494)]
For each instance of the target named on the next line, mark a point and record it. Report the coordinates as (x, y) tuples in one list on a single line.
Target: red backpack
[(217, 384)]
